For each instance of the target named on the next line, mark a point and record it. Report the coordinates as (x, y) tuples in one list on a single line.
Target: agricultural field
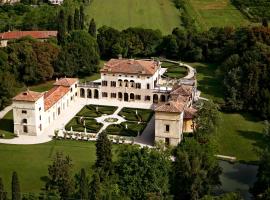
[(210, 13), (121, 14)]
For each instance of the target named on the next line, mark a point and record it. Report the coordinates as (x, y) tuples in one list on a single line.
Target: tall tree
[(103, 152), (83, 185), (143, 172), (95, 188), (81, 17), (60, 178), (262, 183), (15, 189), (77, 19), (7, 85), (92, 28), (195, 170), (61, 34), (3, 194), (70, 23)]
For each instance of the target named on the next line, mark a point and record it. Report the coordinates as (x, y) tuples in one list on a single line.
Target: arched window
[(82, 93), (89, 93), (24, 121), (131, 96), (120, 95), (155, 98)]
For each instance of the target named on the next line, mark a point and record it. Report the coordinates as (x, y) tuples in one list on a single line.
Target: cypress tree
[(95, 188), (61, 35), (70, 23), (3, 194), (83, 190), (76, 19), (15, 188), (92, 28), (103, 152), (81, 17)]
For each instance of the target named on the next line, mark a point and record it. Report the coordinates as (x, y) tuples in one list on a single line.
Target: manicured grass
[(131, 129), (121, 14), (91, 125), (213, 13), (31, 161), (143, 115), (239, 134), (94, 111), (6, 125), (174, 70)]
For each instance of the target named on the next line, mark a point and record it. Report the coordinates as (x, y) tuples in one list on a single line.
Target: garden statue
[(97, 109), (126, 126), (136, 112)]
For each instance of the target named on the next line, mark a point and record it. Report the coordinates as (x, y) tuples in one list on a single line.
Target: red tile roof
[(184, 90), (54, 95), (34, 34), (28, 96), (66, 82), (130, 66), (190, 113), (171, 106)]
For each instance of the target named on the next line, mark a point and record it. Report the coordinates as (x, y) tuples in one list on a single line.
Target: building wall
[(34, 110), (174, 121), (188, 126)]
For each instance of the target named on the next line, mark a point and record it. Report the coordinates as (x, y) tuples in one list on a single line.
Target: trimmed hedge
[(90, 124), (90, 111), (144, 115)]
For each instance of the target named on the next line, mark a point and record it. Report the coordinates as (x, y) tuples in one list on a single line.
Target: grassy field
[(239, 134), (31, 161), (121, 14), (210, 13)]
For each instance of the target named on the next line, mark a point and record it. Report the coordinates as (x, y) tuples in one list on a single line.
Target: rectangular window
[(39, 117), (24, 112), (147, 98), (70, 89), (25, 129), (113, 95), (138, 97), (113, 84), (167, 128), (104, 94), (39, 108), (148, 86), (104, 83), (138, 85)]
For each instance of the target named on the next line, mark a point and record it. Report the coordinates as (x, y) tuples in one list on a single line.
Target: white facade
[(32, 116)]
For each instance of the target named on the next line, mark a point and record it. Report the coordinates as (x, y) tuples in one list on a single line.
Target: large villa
[(123, 81)]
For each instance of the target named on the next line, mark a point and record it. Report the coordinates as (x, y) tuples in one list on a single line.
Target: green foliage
[(76, 19), (79, 57), (195, 170), (92, 28), (70, 23), (15, 187), (143, 171), (226, 196), (83, 185), (104, 154), (3, 193), (31, 61), (95, 188), (207, 119), (262, 184), (81, 19), (60, 179), (7, 91), (61, 34)]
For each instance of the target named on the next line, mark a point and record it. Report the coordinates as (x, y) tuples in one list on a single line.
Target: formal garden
[(129, 122)]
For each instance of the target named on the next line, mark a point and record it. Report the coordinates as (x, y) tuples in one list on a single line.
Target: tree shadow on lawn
[(259, 142), (210, 82), (6, 125)]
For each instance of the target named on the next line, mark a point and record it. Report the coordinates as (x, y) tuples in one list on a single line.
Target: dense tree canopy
[(79, 57)]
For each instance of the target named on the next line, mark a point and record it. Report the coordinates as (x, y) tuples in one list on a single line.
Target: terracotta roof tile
[(190, 113), (34, 34), (65, 82), (171, 106), (54, 95), (28, 96), (184, 90), (130, 66)]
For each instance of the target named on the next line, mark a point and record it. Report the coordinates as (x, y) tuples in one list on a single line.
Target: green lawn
[(6, 125), (211, 13), (121, 14), (174, 70), (31, 161), (239, 134)]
